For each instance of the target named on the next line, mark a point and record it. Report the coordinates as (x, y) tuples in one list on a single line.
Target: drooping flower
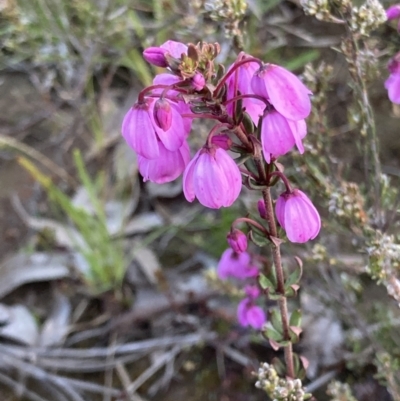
[(237, 265), (297, 216), (167, 167), (241, 80), (158, 55), (284, 90), (237, 240), (392, 84), (155, 56), (279, 135), (143, 134), (248, 313), (213, 178)]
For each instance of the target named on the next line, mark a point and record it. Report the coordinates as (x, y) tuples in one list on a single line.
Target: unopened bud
[(262, 209), (237, 240), (155, 56), (163, 114), (198, 81)]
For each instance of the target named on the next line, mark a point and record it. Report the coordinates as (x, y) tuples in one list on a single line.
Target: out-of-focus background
[(108, 288)]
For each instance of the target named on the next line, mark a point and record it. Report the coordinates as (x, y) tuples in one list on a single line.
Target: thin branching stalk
[(282, 302)]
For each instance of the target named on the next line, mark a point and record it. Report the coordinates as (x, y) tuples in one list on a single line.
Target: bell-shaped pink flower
[(248, 313), (138, 130), (241, 80), (213, 178), (143, 134), (393, 12), (297, 216), (237, 240), (279, 135), (237, 265), (289, 96), (167, 167)]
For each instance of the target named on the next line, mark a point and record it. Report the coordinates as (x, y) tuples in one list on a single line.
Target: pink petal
[(210, 183), (167, 167), (276, 135), (299, 130), (287, 93), (188, 179), (280, 210), (174, 48), (139, 133), (232, 173), (392, 84), (172, 138), (242, 312), (255, 317), (301, 218)]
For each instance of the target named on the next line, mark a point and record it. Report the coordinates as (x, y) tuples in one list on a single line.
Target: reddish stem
[(252, 223), (233, 69), (283, 178)]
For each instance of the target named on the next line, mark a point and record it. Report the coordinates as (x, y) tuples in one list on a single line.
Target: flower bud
[(155, 56), (237, 240), (262, 209), (198, 81), (163, 114)]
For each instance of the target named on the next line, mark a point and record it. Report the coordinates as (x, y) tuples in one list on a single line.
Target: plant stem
[(276, 255)]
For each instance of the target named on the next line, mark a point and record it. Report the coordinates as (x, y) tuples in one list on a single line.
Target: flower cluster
[(158, 125), (259, 111)]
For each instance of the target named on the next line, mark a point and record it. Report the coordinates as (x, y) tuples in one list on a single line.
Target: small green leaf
[(295, 318), (265, 282), (258, 239), (272, 334), (294, 277), (276, 321)]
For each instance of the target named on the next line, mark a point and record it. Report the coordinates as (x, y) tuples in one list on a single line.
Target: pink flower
[(237, 240), (392, 84), (167, 167), (288, 95), (237, 265), (158, 55), (213, 178), (278, 134), (155, 56), (242, 78), (393, 12), (298, 216), (143, 135), (248, 313), (175, 49)]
